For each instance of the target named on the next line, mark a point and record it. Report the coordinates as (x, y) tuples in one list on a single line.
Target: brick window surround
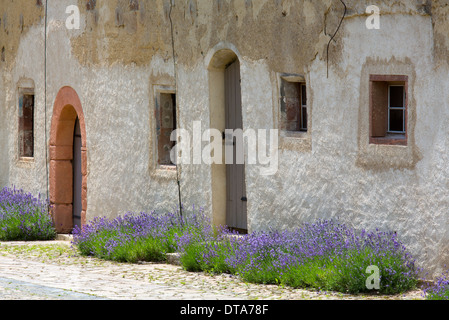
[(379, 110)]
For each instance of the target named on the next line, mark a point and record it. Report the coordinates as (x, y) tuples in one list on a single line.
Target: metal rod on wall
[(172, 4), (45, 99)]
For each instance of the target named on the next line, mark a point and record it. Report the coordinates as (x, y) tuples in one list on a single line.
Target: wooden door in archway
[(236, 203)]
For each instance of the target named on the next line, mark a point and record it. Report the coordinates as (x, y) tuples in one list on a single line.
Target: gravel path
[(53, 271)]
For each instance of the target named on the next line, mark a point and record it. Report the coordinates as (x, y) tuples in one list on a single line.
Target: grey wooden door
[(77, 176), (236, 202)]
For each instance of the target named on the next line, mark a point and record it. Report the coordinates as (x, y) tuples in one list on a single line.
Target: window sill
[(26, 159), (294, 134), (390, 139), (166, 167), (164, 172), (296, 141), (25, 162)]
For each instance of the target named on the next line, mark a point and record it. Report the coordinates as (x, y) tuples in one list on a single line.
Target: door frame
[(67, 107), (221, 56)]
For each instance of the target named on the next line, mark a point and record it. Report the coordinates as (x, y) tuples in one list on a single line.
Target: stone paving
[(51, 271)]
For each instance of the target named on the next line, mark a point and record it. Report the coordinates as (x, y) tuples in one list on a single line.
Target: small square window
[(293, 115), (166, 124), (26, 124), (388, 109)]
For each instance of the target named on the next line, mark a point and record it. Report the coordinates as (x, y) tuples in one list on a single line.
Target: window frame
[(22, 92), (300, 81), (159, 90), (390, 137)]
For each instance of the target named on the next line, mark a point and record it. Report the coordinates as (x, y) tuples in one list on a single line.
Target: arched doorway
[(68, 162), (228, 180)]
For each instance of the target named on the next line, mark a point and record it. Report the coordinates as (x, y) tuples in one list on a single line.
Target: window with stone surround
[(293, 102), (165, 125), (26, 123), (388, 109)]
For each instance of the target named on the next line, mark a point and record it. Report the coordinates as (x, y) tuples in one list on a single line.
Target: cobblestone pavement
[(53, 271)]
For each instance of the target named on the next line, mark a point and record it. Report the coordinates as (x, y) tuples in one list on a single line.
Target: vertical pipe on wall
[(45, 99), (172, 4)]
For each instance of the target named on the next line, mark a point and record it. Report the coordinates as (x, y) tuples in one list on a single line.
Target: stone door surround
[(67, 108)]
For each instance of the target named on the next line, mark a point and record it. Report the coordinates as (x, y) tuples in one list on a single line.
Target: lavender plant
[(24, 217), (324, 255), (136, 237), (440, 289), (209, 251)]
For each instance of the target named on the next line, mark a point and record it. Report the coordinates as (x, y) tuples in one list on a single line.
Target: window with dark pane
[(396, 109), (166, 125), (303, 108), (293, 115), (26, 125)]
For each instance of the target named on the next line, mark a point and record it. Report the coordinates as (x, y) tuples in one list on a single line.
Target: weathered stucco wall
[(4, 167), (17, 18), (118, 105), (123, 53), (22, 65)]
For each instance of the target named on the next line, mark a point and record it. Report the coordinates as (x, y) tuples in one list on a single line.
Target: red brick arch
[(66, 109)]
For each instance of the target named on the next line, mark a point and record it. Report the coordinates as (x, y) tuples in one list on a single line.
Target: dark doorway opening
[(77, 176)]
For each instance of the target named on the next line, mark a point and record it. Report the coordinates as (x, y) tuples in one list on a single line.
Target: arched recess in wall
[(229, 205), (68, 198)]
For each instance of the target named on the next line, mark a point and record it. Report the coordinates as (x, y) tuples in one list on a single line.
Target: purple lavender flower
[(439, 290), (24, 216), (145, 236), (324, 254)]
